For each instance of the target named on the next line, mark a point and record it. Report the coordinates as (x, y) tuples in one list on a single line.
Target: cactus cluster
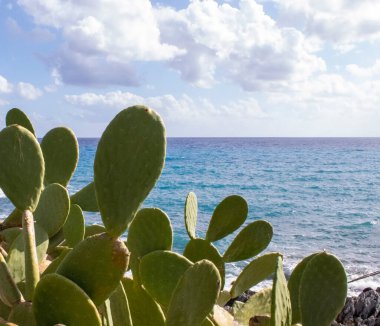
[(56, 270)]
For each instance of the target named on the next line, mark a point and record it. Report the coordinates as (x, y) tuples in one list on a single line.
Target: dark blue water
[(318, 193)]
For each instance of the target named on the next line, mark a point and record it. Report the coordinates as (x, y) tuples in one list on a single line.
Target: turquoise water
[(318, 193)]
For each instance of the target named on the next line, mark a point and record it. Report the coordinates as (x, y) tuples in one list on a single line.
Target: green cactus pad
[(86, 198), (150, 230), (9, 293), (93, 229), (16, 254), (13, 219), (255, 272), (9, 235), (144, 310), (21, 167), (57, 300), (22, 314), (228, 216), (96, 264), (294, 287), (119, 307), (61, 151), (198, 249), (4, 311), (281, 310), (223, 298), (55, 241), (53, 266), (250, 241), (323, 290), (191, 211), (53, 208), (74, 227), (128, 163), (257, 305), (17, 117), (160, 272), (191, 304)]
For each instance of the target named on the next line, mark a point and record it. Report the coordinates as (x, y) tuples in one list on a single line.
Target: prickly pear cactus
[(191, 304), (61, 151), (228, 216), (323, 290), (294, 287), (257, 305), (128, 162), (281, 310), (144, 310), (53, 208), (86, 198), (199, 249), (255, 272), (74, 227), (191, 212), (250, 241), (97, 265), (21, 167), (16, 117), (149, 231), (160, 272), (57, 300)]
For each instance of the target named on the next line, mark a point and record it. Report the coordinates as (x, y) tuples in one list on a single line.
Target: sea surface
[(318, 193)]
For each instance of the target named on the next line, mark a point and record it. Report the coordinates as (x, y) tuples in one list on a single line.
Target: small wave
[(2, 195)]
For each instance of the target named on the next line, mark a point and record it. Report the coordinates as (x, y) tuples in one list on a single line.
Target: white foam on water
[(2, 195)]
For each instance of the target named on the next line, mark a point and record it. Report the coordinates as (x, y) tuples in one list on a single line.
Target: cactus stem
[(32, 275)]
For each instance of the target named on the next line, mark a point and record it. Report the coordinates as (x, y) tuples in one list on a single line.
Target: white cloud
[(342, 22), (101, 33), (361, 72), (56, 81), (5, 85), (243, 43), (205, 42), (28, 91)]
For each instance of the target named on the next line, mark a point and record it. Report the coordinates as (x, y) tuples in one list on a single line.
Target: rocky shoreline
[(361, 310)]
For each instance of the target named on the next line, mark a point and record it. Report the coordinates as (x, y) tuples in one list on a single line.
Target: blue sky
[(210, 68)]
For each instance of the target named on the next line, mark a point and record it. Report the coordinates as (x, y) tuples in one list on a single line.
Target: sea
[(318, 194)]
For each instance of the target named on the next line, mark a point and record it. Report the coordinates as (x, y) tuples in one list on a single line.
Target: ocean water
[(318, 193)]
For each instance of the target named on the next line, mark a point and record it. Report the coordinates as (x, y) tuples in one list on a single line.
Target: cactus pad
[(160, 272), (255, 272), (150, 230), (128, 162), (60, 149), (144, 310), (97, 265), (228, 216), (198, 249), (57, 300), (74, 226), (294, 287), (191, 304), (86, 198), (119, 307), (281, 310), (53, 208), (22, 314), (9, 293), (250, 241), (17, 117), (323, 290), (21, 167), (16, 254), (191, 211)]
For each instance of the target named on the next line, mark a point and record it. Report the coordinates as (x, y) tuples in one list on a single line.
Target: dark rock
[(363, 310)]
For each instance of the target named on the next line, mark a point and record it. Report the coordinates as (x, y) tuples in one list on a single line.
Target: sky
[(237, 68)]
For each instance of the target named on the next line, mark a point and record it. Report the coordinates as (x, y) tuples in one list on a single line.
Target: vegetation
[(56, 270)]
